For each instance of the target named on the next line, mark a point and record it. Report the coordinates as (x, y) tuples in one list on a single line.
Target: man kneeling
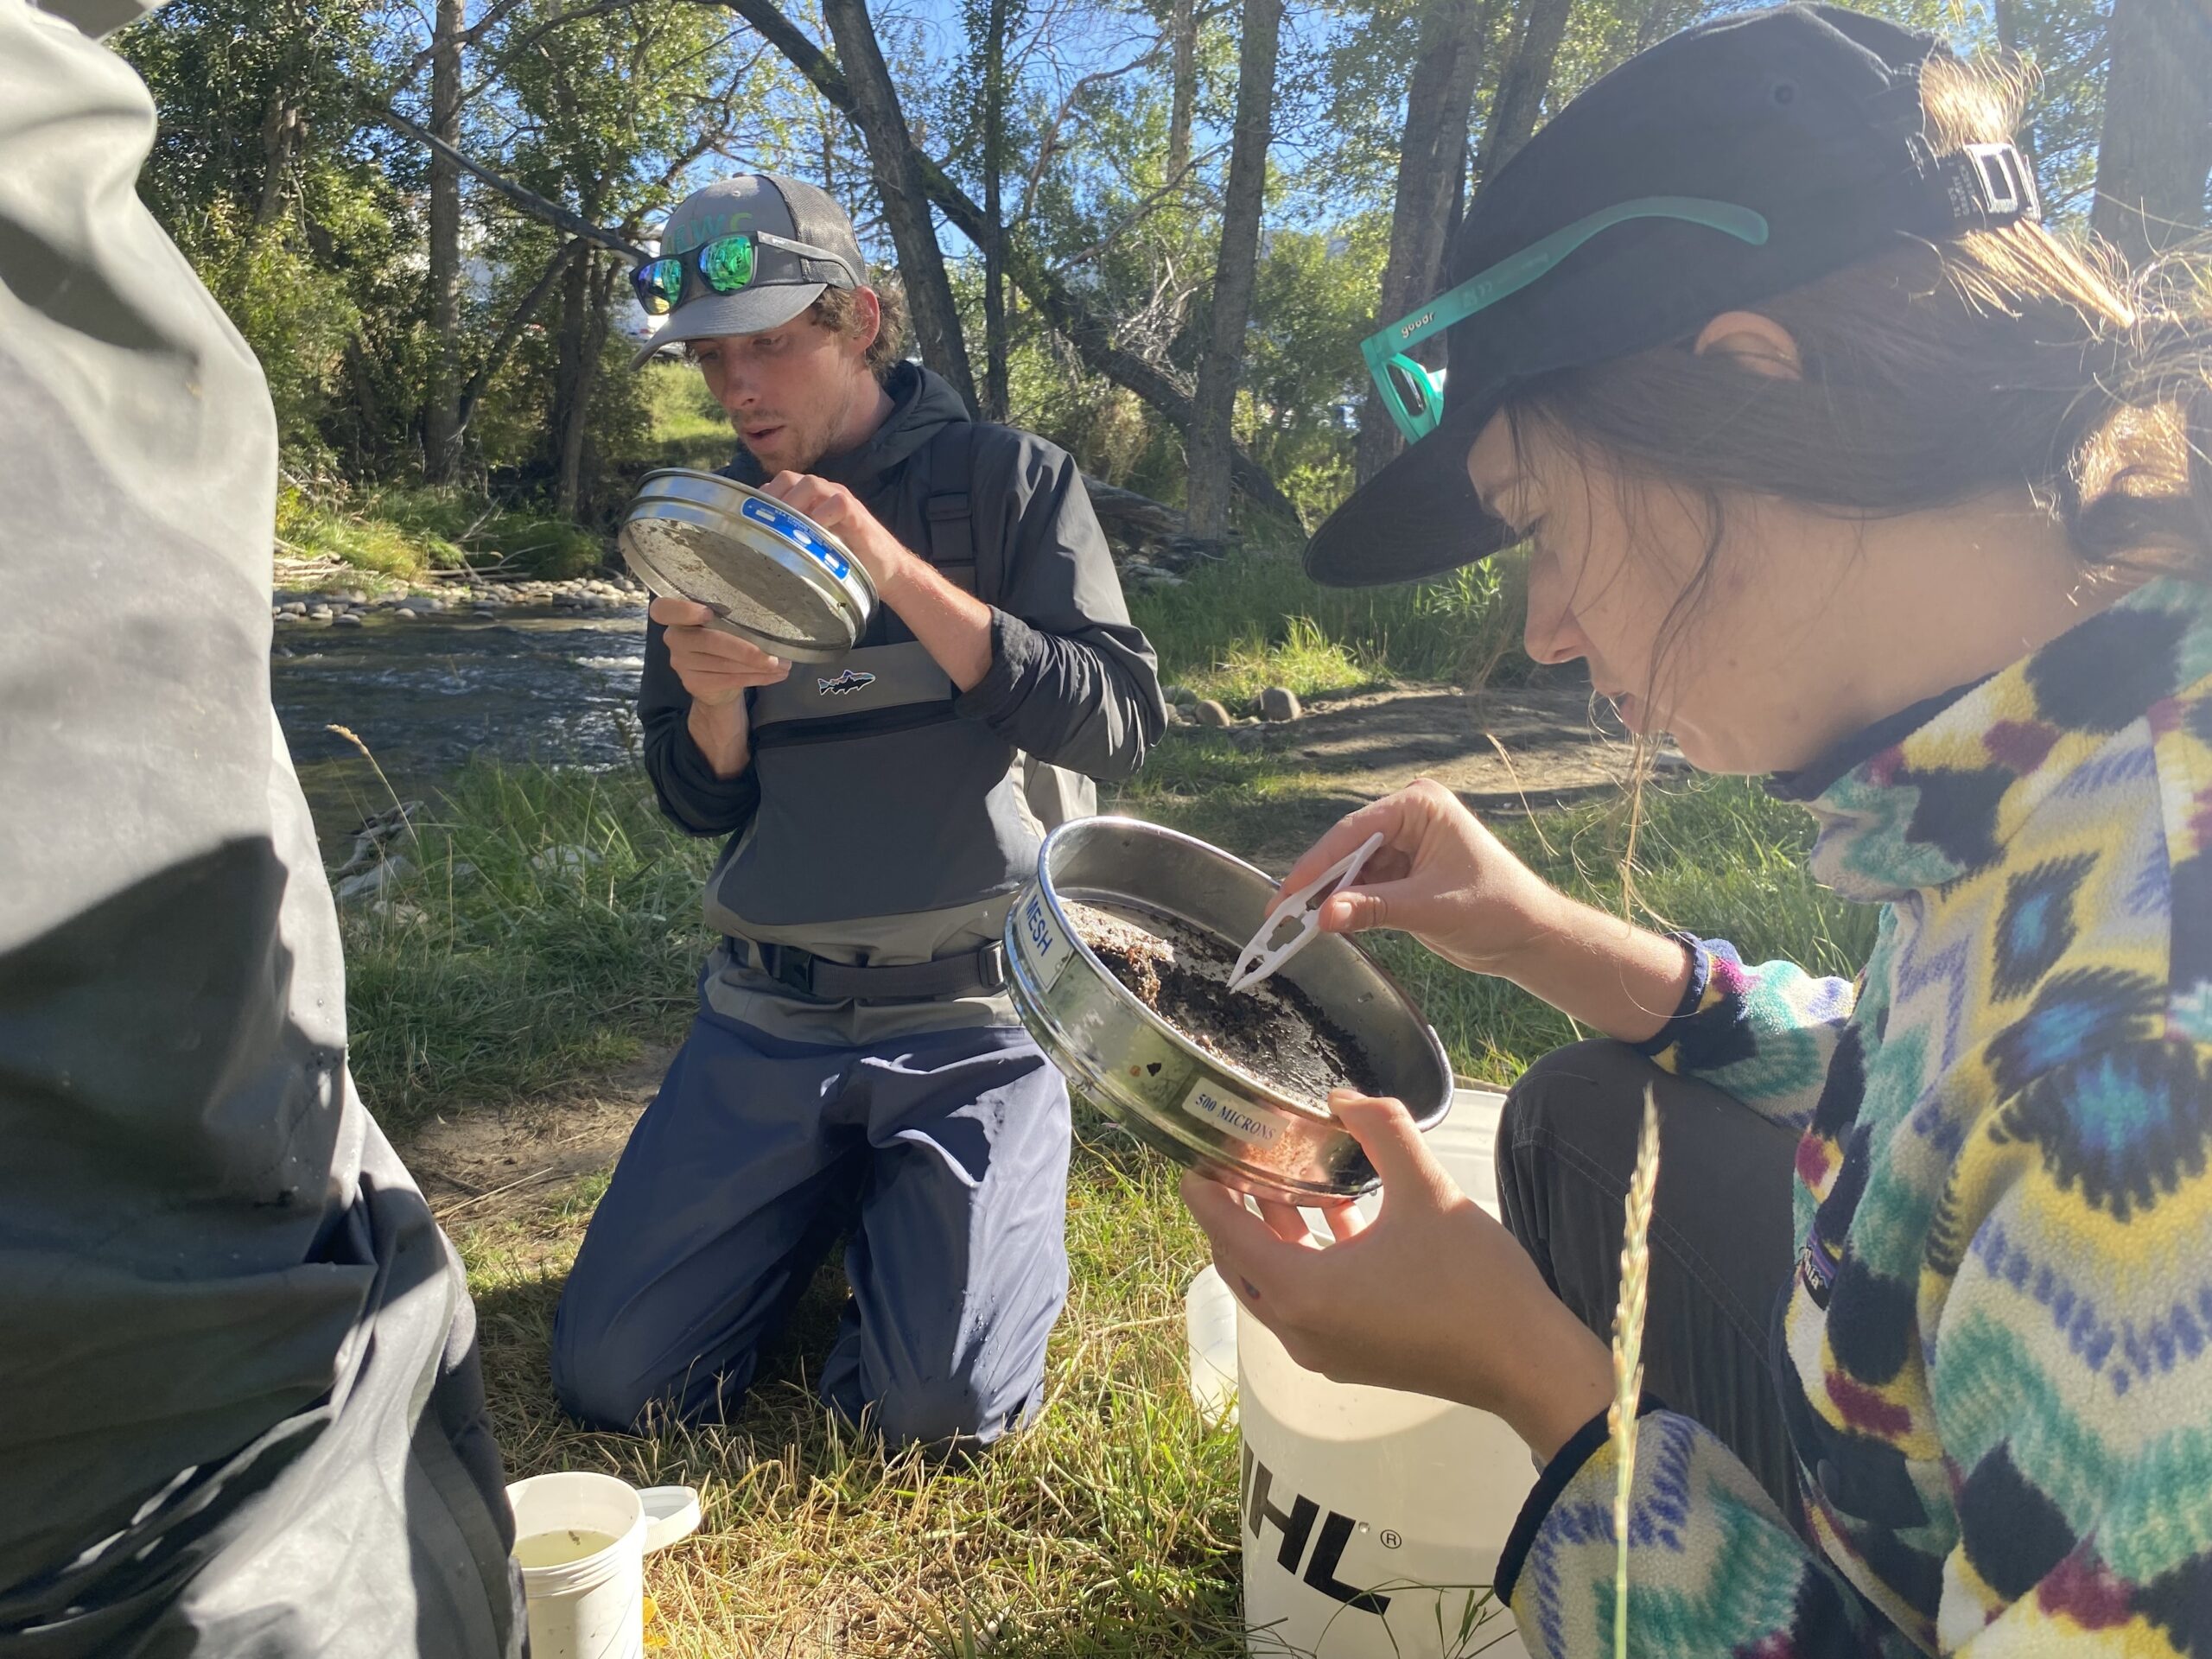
[(855, 1067)]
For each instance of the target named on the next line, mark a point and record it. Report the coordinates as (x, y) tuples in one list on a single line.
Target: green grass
[(489, 985), (688, 426), (405, 534), (1254, 619)]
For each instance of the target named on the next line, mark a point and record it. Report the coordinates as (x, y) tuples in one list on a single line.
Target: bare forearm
[(1604, 972), (723, 735), (953, 626)]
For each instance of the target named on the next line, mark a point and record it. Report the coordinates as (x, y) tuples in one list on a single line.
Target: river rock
[(565, 859), (1180, 695), (1207, 712), (485, 613), (1280, 702), (350, 619), (370, 882)]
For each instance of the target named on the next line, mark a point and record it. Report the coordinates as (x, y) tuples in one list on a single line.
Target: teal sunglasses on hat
[(721, 266), (1412, 393)]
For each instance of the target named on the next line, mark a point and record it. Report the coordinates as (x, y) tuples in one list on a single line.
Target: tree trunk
[(906, 202), (1520, 89), (2157, 148), (1183, 55), (1066, 311), (442, 418), (510, 332), (279, 133), (571, 383), (1210, 438), (994, 329), (1431, 157)]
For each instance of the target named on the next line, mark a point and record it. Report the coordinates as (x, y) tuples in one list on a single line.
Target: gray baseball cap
[(786, 279)]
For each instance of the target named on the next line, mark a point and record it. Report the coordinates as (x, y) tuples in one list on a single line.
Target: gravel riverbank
[(354, 606)]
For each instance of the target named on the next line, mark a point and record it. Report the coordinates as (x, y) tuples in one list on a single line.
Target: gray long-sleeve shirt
[(918, 807)]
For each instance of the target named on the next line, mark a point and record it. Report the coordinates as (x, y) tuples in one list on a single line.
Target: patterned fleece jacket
[(1995, 1355)]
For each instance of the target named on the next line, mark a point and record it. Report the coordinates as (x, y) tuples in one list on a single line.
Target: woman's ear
[(1756, 342)]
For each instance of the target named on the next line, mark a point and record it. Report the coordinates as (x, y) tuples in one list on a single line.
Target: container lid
[(772, 576), (672, 1513)]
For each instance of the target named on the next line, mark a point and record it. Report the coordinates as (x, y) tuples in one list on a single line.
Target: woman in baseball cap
[(1834, 463)]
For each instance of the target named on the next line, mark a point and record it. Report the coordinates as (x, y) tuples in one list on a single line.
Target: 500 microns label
[(1256, 1125)]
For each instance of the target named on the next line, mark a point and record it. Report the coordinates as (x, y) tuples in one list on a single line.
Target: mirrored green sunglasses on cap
[(722, 266), (1414, 396)]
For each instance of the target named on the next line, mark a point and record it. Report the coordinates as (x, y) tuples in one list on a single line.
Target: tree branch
[(528, 200), (510, 332)]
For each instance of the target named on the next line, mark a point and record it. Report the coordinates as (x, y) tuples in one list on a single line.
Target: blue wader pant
[(946, 1155)]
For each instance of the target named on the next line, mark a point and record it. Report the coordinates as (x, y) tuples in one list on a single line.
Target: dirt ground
[(1504, 751), (490, 1165)]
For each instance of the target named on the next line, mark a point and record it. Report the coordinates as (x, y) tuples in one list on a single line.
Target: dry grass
[(1628, 1350)]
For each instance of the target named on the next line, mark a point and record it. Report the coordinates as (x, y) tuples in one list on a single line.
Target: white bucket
[(1210, 1324), (1373, 1520), (581, 1539)]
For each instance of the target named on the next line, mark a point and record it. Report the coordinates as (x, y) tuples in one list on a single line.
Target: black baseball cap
[(1810, 116)]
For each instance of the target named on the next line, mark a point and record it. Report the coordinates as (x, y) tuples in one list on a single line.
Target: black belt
[(980, 971)]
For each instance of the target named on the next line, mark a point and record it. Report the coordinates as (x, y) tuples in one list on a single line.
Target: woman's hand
[(1432, 1296), (1440, 875)]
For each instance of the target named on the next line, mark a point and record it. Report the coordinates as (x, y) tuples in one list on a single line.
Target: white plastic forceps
[(1258, 961)]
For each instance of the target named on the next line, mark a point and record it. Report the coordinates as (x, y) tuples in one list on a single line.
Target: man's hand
[(716, 668), (953, 626), (838, 511)]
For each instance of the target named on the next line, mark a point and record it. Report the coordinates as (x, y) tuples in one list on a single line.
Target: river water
[(426, 695)]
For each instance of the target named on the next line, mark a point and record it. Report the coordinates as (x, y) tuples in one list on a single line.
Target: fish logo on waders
[(850, 680)]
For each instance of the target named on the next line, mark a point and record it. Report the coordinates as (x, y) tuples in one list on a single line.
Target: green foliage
[(1313, 302), (297, 323), (550, 926), (686, 427)]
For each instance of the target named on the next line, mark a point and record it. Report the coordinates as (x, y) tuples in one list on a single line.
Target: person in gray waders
[(239, 1405), (855, 1068)]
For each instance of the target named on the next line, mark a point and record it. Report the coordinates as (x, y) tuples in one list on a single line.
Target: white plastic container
[(1373, 1520), (1210, 1322), (581, 1539)]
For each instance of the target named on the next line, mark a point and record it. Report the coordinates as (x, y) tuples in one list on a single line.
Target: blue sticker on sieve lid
[(795, 530)]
